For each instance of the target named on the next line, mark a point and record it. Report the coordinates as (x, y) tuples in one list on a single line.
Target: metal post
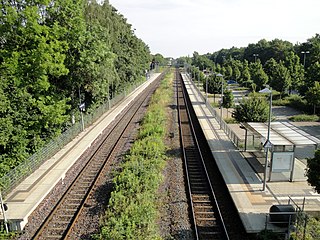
[(304, 57), (221, 101), (268, 137), (270, 168), (265, 171), (199, 79), (206, 89), (108, 95), (270, 113), (221, 112), (292, 166), (266, 223), (245, 140), (82, 122), (4, 214), (289, 224)]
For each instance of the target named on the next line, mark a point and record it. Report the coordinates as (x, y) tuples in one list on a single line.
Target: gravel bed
[(173, 219), (41, 212), (95, 207)]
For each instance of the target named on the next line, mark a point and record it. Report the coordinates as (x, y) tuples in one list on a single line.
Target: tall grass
[(132, 208)]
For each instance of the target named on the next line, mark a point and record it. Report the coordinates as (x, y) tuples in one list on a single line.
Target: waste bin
[(280, 215)]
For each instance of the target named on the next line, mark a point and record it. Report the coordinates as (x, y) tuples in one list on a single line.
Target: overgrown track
[(60, 222), (207, 219)]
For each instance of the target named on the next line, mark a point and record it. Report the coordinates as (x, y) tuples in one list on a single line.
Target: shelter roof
[(282, 133)]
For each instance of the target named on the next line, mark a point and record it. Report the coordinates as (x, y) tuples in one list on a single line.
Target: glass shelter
[(284, 138)]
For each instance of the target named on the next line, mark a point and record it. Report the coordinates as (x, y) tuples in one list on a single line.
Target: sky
[(176, 28)]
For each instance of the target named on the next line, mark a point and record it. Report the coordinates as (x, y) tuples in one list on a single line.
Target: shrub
[(230, 120), (294, 101), (304, 118), (251, 109)]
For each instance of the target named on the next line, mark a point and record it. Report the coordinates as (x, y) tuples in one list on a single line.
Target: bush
[(281, 102), (304, 118), (230, 120), (294, 101), (308, 228), (252, 109)]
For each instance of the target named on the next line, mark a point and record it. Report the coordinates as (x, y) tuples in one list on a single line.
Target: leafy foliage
[(313, 96), (279, 76), (228, 99), (132, 209), (308, 228), (304, 118), (252, 109), (54, 54), (313, 171), (258, 75), (277, 63)]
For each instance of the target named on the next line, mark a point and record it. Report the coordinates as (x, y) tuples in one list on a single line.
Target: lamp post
[(304, 57), (221, 101), (267, 145), (207, 87), (255, 56), (198, 76)]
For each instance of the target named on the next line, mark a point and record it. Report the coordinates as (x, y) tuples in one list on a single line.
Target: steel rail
[(89, 180), (208, 221)]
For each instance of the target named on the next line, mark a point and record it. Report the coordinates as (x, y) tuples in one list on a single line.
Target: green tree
[(276, 49), (245, 75), (252, 109), (312, 74), (50, 50), (228, 100), (270, 67), (313, 96), (31, 55), (258, 76), (218, 68), (214, 85), (160, 59), (229, 72), (313, 171), (296, 71), (313, 47), (202, 62), (236, 73), (279, 76)]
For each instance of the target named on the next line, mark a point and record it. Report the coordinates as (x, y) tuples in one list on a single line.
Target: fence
[(238, 142), (293, 223), (18, 174)]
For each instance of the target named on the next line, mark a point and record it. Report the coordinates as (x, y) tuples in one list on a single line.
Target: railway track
[(207, 219), (59, 223)]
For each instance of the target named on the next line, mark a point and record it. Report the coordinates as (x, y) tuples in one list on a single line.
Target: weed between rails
[(132, 210)]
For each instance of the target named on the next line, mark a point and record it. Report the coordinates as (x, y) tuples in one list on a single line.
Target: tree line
[(285, 67), (55, 54)]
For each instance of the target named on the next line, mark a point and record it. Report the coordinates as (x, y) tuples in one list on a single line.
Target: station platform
[(25, 198), (243, 175)]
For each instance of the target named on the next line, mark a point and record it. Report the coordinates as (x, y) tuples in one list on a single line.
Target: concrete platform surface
[(243, 173), (24, 199)]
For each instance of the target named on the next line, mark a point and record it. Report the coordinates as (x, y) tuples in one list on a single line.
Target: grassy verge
[(305, 118), (132, 210)]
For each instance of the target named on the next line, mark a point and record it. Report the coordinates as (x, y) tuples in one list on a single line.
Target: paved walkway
[(244, 173)]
